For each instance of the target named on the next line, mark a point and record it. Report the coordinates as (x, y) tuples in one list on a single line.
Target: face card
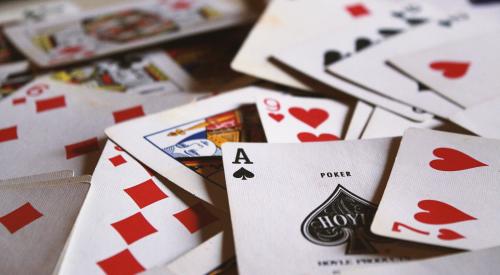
[(463, 71), (483, 261), (278, 26), (49, 125), (360, 117), (35, 220), (145, 73), (123, 27), (313, 56), (432, 193), (383, 123), (311, 209), (301, 119), (128, 214), (183, 144)]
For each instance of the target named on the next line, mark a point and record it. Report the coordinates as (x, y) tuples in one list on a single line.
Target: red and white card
[(47, 125), (443, 190), (132, 221), (301, 119), (36, 218), (464, 71)]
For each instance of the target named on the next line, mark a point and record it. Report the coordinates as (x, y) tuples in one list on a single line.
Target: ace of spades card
[(443, 190), (310, 212)]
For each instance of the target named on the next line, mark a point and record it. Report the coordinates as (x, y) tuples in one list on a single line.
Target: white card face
[(49, 125), (122, 27), (360, 117), (369, 68), (300, 119), (143, 73), (130, 215), (278, 26), (464, 71), (215, 256), (312, 57), (383, 123), (183, 144), (313, 207), (432, 193), (483, 261), (481, 119), (35, 220)]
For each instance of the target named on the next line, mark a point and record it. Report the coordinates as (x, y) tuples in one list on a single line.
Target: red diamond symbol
[(195, 217), (134, 228), (357, 10), (48, 104), (20, 217), (9, 133), (117, 160), (145, 193), (123, 263), (128, 113), (17, 101), (81, 148)]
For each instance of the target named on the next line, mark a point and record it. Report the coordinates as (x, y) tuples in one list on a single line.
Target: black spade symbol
[(243, 174), (362, 43), (331, 57), (389, 32), (343, 218), (415, 21)]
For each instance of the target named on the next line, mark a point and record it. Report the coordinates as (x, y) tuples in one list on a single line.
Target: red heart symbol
[(440, 213), (449, 235), (314, 117), (277, 117), (309, 137), (453, 160), (451, 69)]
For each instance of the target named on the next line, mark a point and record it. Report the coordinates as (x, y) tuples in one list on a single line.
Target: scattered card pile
[(249, 137)]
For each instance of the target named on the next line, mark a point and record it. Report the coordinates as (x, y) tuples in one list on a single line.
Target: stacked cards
[(323, 137)]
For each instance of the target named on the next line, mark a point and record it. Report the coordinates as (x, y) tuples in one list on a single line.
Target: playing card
[(463, 71), (438, 189), (27, 11), (313, 56), (214, 256), (35, 221), (122, 27), (483, 261), (383, 123), (278, 27), (184, 144), (360, 117), (143, 73), (50, 176), (369, 68), (482, 119), (49, 125), (313, 207), (129, 214), (301, 119)]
